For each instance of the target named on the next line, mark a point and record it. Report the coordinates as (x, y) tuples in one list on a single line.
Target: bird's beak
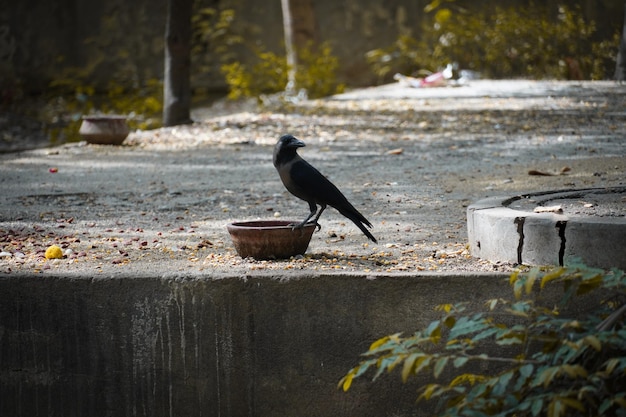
[(296, 143)]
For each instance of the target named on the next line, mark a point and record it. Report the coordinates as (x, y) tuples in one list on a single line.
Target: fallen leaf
[(541, 173), (549, 209)]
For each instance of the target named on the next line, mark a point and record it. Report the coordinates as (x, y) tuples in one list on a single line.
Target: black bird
[(307, 183)]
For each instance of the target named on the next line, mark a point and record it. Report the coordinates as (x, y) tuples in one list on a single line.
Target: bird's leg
[(319, 213), (313, 208)]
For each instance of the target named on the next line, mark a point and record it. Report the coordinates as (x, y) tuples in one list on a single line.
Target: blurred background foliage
[(110, 60), (268, 75), (503, 41)]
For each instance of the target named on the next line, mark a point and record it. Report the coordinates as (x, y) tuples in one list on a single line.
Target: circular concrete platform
[(551, 228)]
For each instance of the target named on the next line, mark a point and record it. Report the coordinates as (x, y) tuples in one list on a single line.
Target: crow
[(307, 183)]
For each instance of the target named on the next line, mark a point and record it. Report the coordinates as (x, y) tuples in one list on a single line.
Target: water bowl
[(270, 239)]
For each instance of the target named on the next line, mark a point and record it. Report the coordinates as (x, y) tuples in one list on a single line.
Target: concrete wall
[(258, 346), (196, 346)]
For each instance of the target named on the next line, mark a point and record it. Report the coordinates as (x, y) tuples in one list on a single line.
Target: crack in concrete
[(560, 225), (519, 221)]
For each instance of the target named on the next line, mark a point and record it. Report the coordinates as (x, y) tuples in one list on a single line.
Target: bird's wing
[(311, 185)]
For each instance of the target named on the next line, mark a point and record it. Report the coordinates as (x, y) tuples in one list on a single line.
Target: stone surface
[(589, 225)]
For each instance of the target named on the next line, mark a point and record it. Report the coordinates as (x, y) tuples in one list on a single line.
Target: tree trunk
[(620, 68), (290, 50), (300, 31), (177, 84)]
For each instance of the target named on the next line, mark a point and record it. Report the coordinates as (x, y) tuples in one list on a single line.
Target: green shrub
[(316, 74), (502, 42), (557, 363)]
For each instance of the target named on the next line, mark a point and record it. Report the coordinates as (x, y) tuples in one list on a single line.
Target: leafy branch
[(555, 364)]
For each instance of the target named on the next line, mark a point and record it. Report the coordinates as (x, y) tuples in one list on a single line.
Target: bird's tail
[(360, 221)]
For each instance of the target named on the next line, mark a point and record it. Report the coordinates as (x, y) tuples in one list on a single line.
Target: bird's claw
[(317, 225), (295, 226)]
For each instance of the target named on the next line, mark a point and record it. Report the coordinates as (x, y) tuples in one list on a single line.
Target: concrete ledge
[(506, 229), (234, 346)]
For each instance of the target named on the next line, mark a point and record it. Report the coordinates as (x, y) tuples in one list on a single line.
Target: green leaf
[(526, 370), (545, 376), (485, 334), (606, 404), (440, 365), (536, 407), (502, 383), (385, 363), (434, 331), (465, 326), (460, 361)]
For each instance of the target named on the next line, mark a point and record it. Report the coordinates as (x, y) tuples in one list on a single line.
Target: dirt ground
[(410, 161)]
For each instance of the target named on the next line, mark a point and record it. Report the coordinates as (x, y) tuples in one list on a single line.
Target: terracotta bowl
[(269, 239), (104, 129)]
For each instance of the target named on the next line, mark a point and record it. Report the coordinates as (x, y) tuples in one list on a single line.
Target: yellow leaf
[(379, 342), (444, 307), (407, 368), (346, 382), (517, 290), (443, 15), (530, 281), (621, 401), (435, 335), (551, 276), (611, 364), (513, 277), (466, 378), (574, 371), (548, 374), (428, 391), (572, 403), (594, 342), (492, 304), (555, 409)]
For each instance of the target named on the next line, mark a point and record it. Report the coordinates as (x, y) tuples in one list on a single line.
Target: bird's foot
[(295, 226), (317, 225)]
